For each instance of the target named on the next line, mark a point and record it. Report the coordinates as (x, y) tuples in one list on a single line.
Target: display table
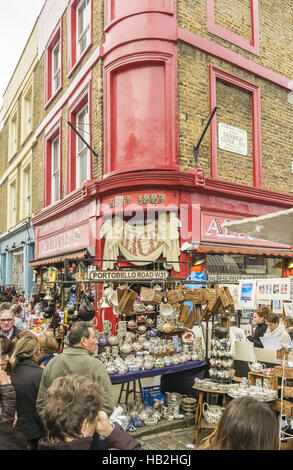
[(199, 422), (142, 374), (128, 377)]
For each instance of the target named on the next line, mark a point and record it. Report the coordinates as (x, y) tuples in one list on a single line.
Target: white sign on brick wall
[(232, 139)]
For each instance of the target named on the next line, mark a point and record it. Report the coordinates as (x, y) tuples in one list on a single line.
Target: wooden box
[(288, 372), (126, 304), (287, 407), (150, 296), (253, 375)]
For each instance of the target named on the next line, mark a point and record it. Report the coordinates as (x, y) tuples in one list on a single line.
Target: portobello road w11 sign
[(135, 275)]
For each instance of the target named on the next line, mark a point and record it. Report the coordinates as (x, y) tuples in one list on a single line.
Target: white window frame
[(55, 172), (56, 74), (84, 5), (82, 151)]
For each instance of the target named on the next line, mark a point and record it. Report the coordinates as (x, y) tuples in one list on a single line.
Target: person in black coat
[(26, 378), (259, 317)]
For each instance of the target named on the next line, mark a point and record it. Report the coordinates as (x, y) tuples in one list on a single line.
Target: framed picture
[(288, 309), (277, 306), (274, 289), (246, 294)]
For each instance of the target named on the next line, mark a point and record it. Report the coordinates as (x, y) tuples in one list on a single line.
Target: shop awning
[(276, 226), (221, 263), (59, 259), (243, 250)]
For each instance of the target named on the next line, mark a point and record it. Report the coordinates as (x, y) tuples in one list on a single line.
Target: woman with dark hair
[(259, 317), (26, 377), (246, 424)]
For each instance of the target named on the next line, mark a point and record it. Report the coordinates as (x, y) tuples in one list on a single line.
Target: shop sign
[(212, 230), (232, 139), (135, 275), (69, 240)]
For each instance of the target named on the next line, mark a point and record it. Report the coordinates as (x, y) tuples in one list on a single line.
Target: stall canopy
[(243, 250), (58, 259), (276, 227)]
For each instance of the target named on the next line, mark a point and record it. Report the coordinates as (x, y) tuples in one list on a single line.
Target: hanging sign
[(135, 275)]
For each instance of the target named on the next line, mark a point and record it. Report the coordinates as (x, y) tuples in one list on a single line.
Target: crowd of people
[(51, 401), (64, 401)]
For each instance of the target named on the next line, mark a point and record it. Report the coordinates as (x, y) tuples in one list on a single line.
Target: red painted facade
[(141, 153)]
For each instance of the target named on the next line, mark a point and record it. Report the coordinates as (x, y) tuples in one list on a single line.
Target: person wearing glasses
[(7, 327)]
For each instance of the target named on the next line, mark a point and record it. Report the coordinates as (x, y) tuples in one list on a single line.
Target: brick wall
[(97, 109), (234, 105)]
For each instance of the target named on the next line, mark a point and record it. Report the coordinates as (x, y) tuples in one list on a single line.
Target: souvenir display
[(150, 336), (221, 361)]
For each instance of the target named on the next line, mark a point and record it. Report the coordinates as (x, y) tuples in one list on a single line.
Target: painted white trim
[(20, 157), (97, 54)]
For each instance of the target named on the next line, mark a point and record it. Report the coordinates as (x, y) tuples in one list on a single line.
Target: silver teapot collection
[(138, 344), (132, 354)]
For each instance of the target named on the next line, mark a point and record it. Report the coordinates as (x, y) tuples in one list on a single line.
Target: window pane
[(83, 156), (55, 165), (83, 27), (56, 68)]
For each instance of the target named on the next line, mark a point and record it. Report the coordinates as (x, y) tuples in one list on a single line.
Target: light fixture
[(35, 271), (199, 261), (290, 264)]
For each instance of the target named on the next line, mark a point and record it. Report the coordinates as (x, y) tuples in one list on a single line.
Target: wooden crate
[(288, 372), (288, 355), (287, 407), (254, 375), (288, 391), (287, 445)]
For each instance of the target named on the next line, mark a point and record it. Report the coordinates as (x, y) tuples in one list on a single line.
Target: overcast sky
[(17, 19)]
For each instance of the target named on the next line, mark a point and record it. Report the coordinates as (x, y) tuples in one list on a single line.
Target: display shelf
[(284, 407), (252, 376)]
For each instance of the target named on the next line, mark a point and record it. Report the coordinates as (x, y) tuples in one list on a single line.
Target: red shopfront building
[(142, 168)]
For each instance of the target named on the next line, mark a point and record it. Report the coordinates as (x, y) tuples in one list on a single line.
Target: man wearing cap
[(7, 327)]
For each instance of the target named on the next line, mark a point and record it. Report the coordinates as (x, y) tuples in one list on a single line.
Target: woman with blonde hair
[(48, 348), (26, 377)]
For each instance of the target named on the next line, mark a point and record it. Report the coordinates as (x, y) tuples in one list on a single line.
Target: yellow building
[(17, 140)]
